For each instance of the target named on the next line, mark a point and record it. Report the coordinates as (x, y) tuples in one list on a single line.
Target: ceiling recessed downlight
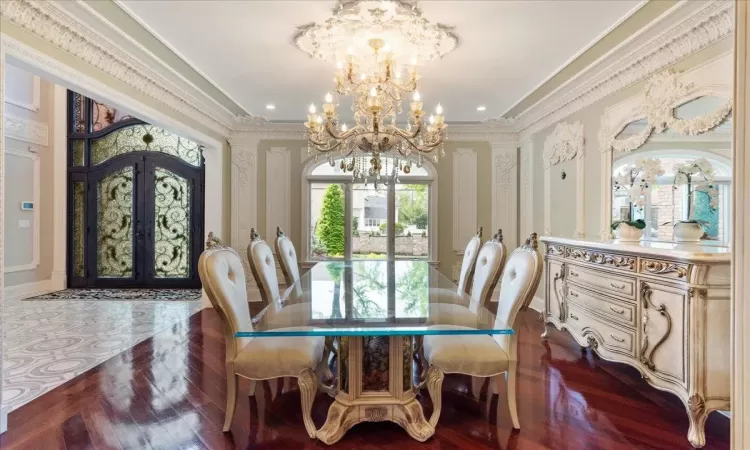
[(481, 108), (270, 106)]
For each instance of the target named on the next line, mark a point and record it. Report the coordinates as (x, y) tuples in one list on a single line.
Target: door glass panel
[(172, 225), (78, 151), (115, 225), (327, 220), (412, 218), (78, 119), (369, 221), (143, 138), (78, 235), (103, 116)]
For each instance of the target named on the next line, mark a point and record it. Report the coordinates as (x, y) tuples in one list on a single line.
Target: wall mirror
[(676, 120)]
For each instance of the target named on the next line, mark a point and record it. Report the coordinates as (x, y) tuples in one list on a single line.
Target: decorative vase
[(628, 233), (688, 232)]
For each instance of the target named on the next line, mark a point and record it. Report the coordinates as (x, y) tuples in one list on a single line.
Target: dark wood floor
[(169, 393)]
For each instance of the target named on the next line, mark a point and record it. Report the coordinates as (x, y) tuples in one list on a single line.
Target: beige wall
[(446, 256), (562, 198), (20, 183)]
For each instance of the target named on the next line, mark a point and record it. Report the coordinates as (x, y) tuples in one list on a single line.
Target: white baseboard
[(58, 281), (28, 289), (4, 419), (537, 304)]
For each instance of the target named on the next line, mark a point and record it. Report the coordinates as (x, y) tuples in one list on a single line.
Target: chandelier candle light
[(377, 78)]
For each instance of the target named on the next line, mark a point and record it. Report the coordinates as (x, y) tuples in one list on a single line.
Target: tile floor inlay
[(122, 294), (46, 343)]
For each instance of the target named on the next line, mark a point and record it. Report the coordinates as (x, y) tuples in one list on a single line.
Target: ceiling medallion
[(371, 42)]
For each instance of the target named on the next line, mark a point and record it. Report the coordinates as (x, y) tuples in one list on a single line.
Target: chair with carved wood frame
[(484, 355)]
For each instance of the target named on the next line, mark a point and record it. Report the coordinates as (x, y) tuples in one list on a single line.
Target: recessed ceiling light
[(481, 108), (270, 106)]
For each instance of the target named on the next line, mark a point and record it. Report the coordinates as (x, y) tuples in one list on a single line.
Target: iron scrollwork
[(646, 352)]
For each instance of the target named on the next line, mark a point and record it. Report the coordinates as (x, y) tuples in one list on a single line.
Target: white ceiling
[(506, 49)]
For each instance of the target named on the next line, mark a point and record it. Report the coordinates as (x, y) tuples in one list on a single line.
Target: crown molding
[(49, 22), (686, 29)]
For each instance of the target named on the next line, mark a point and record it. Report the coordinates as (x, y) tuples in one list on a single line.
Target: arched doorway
[(135, 201)]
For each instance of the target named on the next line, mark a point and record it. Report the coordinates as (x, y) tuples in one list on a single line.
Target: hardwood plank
[(170, 392)]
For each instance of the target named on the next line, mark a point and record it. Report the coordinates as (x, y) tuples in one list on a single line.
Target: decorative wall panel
[(464, 197), (278, 190)]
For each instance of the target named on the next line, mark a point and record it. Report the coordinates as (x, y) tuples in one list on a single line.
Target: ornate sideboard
[(660, 307)]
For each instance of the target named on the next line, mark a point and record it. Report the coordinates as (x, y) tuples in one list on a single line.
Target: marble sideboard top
[(704, 251)]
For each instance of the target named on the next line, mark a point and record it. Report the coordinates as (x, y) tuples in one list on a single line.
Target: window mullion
[(348, 221), (391, 221)]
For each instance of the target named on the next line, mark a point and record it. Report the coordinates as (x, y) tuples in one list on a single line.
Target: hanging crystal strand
[(419, 161)]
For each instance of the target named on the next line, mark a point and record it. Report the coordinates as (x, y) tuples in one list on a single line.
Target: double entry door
[(143, 222)]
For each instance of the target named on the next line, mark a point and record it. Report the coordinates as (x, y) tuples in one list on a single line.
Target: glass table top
[(373, 298)]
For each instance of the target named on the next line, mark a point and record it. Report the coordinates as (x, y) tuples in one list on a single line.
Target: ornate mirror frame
[(656, 103)]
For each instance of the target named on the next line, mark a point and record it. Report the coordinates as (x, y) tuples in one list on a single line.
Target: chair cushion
[(477, 355), (273, 357), (451, 314)]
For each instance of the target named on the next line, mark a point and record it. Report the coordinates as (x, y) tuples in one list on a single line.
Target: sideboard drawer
[(608, 282), (619, 311), (612, 338)]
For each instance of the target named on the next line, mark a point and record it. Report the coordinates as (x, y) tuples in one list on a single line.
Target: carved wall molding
[(566, 142), (54, 25), (36, 96), (657, 47), (26, 130), (505, 190), (656, 104)]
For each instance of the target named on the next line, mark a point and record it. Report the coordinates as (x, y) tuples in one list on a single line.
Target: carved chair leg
[(273, 386), (308, 386), (510, 379), (434, 380), (251, 391), (232, 379), (287, 385), (494, 385)]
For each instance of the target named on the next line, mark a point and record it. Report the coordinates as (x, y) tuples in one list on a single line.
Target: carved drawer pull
[(572, 316), (573, 294), (573, 274), (617, 286), (618, 311), (618, 339)]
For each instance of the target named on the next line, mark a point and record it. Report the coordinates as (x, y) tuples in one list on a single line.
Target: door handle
[(617, 286), (618, 339), (572, 316), (573, 294), (618, 311)]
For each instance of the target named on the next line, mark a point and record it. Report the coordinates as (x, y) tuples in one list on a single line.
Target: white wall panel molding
[(685, 29), (464, 197), (566, 142), (3, 46), (36, 96), (60, 176), (278, 191), (36, 180), (526, 186), (27, 130), (505, 190)]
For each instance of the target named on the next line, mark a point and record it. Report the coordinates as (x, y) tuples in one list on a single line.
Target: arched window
[(369, 218), (667, 203)]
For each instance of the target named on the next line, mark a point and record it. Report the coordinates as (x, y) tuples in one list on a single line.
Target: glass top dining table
[(374, 298)]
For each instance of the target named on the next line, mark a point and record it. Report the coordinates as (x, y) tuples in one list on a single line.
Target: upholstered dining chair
[(287, 257), (469, 261), (263, 267), (485, 355), (223, 278)]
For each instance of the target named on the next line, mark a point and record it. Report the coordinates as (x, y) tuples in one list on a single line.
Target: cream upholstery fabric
[(263, 266), (274, 357), (467, 264), (223, 278), (453, 314), (288, 259), (487, 270), (471, 355)]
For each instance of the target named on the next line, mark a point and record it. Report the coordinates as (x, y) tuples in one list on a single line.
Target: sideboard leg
[(696, 409)]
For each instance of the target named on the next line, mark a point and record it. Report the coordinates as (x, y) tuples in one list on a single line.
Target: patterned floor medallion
[(46, 343), (122, 294)]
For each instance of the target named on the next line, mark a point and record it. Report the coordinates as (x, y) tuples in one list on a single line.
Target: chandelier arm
[(344, 135)]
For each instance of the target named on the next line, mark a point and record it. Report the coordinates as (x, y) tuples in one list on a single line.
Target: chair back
[(287, 257), (519, 283), (223, 278), (263, 267), (467, 265), (488, 267)]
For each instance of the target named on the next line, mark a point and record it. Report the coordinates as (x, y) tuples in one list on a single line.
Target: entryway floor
[(46, 343)]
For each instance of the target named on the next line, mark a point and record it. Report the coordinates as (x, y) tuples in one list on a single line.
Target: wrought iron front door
[(135, 203)]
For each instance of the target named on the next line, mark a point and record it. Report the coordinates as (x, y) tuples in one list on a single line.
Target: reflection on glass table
[(374, 298)]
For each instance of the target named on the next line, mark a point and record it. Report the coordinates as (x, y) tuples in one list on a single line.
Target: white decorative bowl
[(688, 232), (628, 233)]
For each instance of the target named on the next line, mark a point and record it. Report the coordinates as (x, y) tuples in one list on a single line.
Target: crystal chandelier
[(377, 77)]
